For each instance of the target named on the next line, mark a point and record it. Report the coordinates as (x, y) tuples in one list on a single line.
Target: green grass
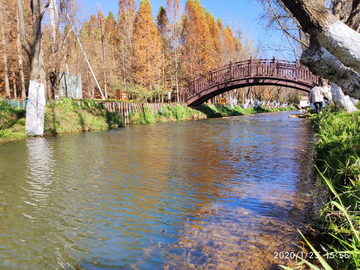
[(337, 152), (166, 114), (65, 117), (181, 113), (68, 117), (12, 122), (215, 110)]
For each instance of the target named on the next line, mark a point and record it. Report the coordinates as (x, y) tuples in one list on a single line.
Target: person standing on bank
[(316, 96)]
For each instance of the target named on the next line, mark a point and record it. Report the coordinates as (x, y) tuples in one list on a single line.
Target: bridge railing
[(253, 68)]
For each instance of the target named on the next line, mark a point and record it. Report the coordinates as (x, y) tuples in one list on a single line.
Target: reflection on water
[(221, 193)]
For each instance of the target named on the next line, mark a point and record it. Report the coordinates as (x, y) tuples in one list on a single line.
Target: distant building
[(304, 102), (70, 85)]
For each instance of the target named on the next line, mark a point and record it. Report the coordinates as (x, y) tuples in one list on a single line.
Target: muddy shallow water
[(211, 194)]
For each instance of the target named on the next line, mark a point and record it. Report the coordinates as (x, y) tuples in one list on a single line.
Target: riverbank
[(62, 117), (337, 152), (69, 116)]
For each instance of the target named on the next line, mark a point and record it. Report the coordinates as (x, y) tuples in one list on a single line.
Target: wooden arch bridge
[(248, 73)]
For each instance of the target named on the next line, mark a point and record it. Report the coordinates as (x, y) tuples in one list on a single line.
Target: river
[(210, 194)]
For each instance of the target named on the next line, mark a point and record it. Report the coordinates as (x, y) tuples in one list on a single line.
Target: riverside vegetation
[(337, 151), (67, 116)]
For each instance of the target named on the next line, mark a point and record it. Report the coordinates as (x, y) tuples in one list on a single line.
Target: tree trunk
[(321, 62), (6, 70), (336, 37), (32, 48), (341, 100), (103, 57), (14, 82), (21, 67), (43, 73)]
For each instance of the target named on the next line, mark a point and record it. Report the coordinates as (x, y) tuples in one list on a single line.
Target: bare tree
[(333, 52), (102, 40), (330, 48), (20, 59), (32, 46), (174, 27), (6, 69), (126, 26)]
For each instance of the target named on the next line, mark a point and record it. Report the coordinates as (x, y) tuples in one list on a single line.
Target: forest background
[(132, 50)]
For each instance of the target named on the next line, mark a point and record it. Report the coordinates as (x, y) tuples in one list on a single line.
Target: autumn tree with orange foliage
[(126, 27), (147, 48), (166, 50), (216, 49), (130, 52), (197, 41)]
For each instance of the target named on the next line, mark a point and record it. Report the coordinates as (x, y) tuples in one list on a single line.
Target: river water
[(210, 194)]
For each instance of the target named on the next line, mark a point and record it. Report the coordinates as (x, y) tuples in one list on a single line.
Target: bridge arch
[(248, 73)]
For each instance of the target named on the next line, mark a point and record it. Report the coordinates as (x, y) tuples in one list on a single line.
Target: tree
[(229, 44), (216, 39), (20, 57), (6, 69), (162, 24), (32, 46), (126, 26), (333, 51), (174, 28), (198, 43), (101, 26), (147, 47)]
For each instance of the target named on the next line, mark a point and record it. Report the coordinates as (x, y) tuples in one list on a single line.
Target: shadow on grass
[(113, 120), (212, 111), (9, 117)]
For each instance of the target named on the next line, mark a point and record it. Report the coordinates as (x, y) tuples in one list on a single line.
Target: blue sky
[(233, 12)]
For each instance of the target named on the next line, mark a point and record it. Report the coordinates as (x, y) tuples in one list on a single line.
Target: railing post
[(230, 67), (211, 76), (297, 66), (251, 67), (274, 67)]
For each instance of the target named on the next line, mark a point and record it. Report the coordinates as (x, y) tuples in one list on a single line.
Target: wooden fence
[(17, 103), (125, 108), (122, 108)]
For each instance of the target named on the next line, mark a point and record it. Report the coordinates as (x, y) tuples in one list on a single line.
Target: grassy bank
[(67, 116), (181, 113), (337, 152), (212, 111), (166, 114), (12, 122)]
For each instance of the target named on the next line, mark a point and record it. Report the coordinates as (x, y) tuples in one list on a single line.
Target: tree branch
[(322, 63), (24, 42), (353, 20), (336, 37), (284, 29), (45, 8)]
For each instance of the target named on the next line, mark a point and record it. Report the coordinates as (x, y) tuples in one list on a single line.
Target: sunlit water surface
[(212, 194)]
